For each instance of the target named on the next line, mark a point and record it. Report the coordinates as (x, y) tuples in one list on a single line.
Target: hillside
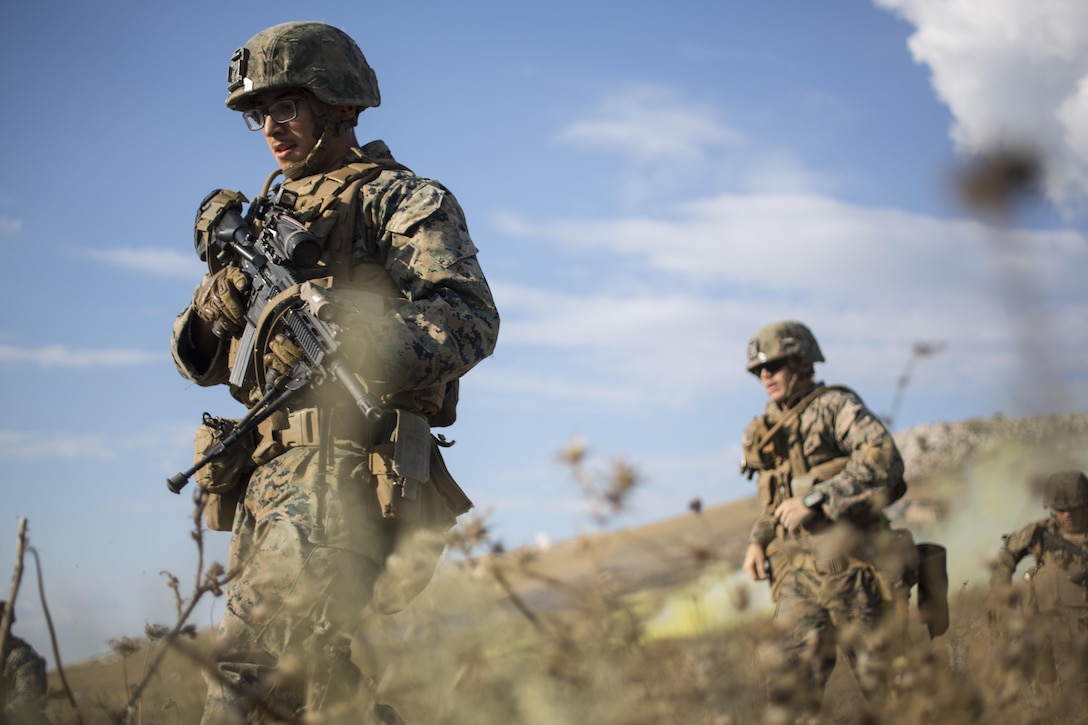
[(655, 608), (979, 466)]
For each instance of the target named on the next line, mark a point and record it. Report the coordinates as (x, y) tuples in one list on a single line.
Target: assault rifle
[(283, 256), (1049, 540)]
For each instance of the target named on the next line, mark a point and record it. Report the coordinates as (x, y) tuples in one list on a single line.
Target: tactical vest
[(329, 205), (1049, 578), (773, 449)]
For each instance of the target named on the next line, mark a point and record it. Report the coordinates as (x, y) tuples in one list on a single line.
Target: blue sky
[(648, 183)]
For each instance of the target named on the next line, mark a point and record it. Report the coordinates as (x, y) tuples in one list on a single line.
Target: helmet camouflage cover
[(318, 57), (779, 340), (1065, 490)]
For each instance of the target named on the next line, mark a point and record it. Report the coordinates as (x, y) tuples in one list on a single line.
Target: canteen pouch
[(420, 521), (413, 484), (933, 588), (223, 479), (402, 466)]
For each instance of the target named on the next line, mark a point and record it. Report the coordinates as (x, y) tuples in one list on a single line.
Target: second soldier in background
[(827, 468)]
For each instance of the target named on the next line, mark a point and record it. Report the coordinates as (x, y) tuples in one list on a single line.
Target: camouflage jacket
[(445, 322), (835, 430), (1051, 588)]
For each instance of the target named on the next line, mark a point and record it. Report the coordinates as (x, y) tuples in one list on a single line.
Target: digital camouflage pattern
[(23, 684), (825, 578), (310, 556), (813, 609), (835, 424), (310, 553), (780, 340), (318, 57)]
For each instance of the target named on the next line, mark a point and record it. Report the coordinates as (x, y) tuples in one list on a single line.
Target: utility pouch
[(413, 484), (766, 485), (783, 557), (757, 452), (224, 478), (411, 450), (933, 587), (400, 467), (420, 532)]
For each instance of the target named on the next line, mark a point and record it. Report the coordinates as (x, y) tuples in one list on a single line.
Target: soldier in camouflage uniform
[(22, 682), (1058, 583), (316, 527), (827, 467)]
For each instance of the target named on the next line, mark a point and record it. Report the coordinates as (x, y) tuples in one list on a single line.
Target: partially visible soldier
[(1058, 582), (22, 682), (827, 468), (330, 493)]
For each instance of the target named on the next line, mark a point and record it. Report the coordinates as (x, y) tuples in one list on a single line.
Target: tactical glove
[(220, 301), (282, 356)]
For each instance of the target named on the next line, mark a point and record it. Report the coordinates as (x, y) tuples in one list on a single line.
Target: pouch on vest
[(400, 467), (413, 484), (753, 456), (224, 478)]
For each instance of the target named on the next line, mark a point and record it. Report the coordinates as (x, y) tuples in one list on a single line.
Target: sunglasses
[(771, 367)]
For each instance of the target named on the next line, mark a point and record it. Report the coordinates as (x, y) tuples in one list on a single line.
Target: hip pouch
[(414, 486), (419, 498), (223, 480)]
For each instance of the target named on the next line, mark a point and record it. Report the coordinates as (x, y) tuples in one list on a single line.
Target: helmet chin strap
[(798, 377), (329, 130)]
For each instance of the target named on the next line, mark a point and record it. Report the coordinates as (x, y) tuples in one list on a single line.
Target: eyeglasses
[(772, 367), (282, 111)]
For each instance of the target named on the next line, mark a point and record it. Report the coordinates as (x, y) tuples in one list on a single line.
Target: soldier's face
[(290, 141), (777, 377), (1072, 520)]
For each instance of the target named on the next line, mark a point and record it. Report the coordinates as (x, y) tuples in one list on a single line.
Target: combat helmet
[(1065, 490), (780, 340), (318, 57)]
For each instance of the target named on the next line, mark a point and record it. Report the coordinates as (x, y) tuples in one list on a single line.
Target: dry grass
[(650, 625)]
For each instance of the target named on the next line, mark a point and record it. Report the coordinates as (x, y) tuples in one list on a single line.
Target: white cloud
[(807, 246), (10, 226), (1012, 73), (165, 437), (870, 281), (674, 145), (651, 124), (62, 356), (22, 446), (157, 262)]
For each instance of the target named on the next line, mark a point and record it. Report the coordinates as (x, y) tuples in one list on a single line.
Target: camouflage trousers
[(819, 613), (284, 642)]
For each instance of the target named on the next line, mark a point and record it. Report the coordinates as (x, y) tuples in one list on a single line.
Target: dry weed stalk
[(208, 579), (9, 612), (920, 351)]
